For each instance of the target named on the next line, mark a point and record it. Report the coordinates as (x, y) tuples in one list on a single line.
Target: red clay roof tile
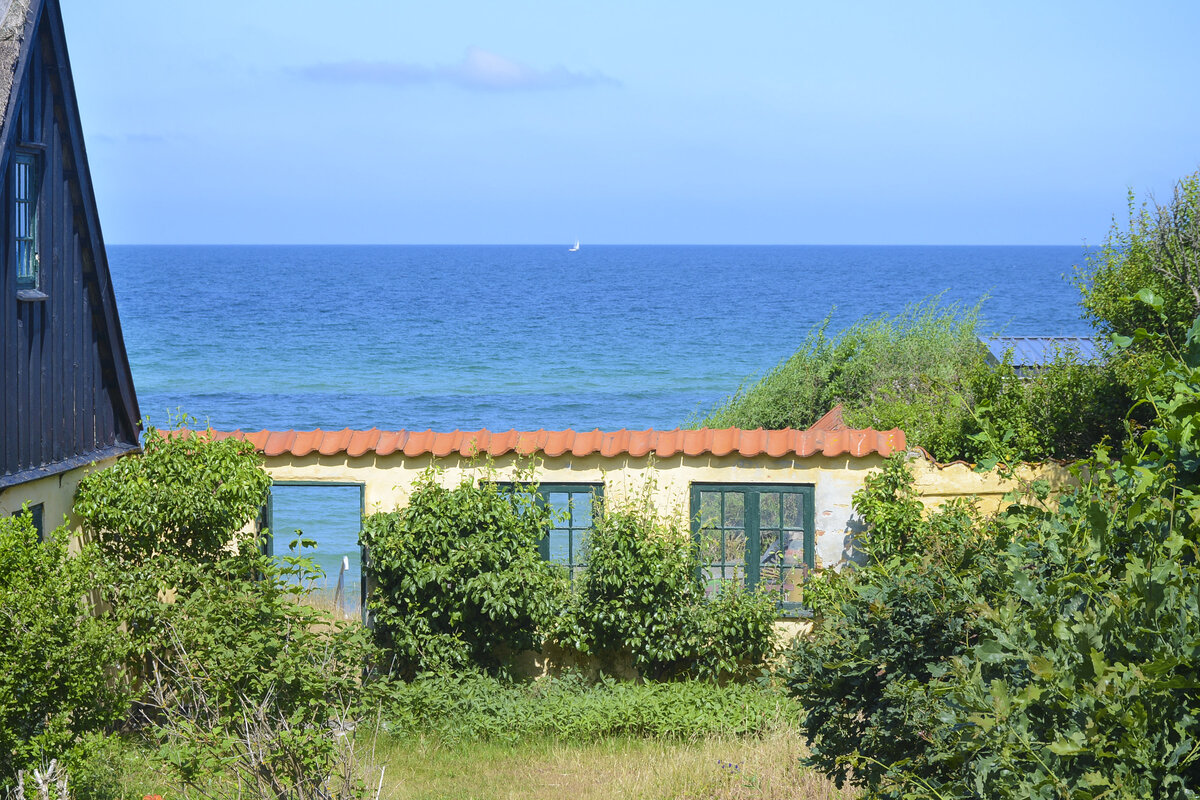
[(334, 442), (389, 442), (279, 442), (834, 420), (668, 443), (586, 442), (307, 441), (640, 443), (419, 443), (362, 442)]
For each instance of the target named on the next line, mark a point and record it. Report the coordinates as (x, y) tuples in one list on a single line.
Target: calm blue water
[(469, 337)]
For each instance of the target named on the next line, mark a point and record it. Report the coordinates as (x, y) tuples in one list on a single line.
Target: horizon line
[(601, 244)]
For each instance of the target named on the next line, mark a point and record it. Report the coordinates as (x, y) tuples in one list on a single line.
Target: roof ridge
[(744, 442)]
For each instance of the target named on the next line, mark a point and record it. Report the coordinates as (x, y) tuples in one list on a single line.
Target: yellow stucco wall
[(388, 480), (938, 483), (56, 494)]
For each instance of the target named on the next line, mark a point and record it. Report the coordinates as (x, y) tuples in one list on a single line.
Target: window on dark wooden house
[(25, 220), (35, 515), (759, 535)]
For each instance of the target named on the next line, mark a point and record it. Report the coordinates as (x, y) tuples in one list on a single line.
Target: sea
[(526, 337)]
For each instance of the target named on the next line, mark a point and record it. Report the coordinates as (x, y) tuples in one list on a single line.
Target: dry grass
[(716, 769)]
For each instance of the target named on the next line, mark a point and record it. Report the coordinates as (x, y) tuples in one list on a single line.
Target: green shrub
[(1083, 680), (640, 598), (58, 680), (1050, 654), (906, 372), (639, 593), (251, 688), (468, 707), (246, 690), (457, 579), (185, 496), (889, 629), (1159, 251), (1063, 411)]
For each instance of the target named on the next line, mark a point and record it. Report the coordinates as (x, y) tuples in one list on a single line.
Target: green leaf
[(1148, 297)]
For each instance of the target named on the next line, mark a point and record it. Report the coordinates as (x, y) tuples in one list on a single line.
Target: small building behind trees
[(1030, 354)]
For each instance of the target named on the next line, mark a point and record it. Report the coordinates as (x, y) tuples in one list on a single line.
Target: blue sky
[(265, 121)]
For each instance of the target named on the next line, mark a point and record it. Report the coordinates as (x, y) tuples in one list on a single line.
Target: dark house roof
[(67, 395), (1031, 353)]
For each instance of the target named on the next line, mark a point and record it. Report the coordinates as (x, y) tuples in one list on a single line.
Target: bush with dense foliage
[(892, 626), (57, 659), (925, 372), (242, 684), (903, 372), (641, 598), (253, 690), (1158, 250), (457, 579), (183, 496), (1059, 659), (1063, 411), (475, 707), (185, 500)]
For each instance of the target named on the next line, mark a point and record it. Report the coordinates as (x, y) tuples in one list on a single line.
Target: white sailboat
[(576, 247)]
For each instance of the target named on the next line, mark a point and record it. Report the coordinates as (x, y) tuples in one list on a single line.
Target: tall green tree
[(1158, 250)]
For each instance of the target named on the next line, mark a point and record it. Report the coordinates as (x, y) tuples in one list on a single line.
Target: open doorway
[(331, 515)]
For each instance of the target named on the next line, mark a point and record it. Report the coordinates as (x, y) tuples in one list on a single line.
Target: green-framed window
[(25, 219), (756, 534), (573, 506), (36, 513)]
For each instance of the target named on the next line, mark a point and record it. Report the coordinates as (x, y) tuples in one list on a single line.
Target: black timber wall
[(60, 403)]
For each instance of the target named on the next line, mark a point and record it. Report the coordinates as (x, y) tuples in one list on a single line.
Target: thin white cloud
[(479, 69)]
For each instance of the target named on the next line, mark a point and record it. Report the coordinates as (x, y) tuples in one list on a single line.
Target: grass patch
[(716, 768), (621, 767)]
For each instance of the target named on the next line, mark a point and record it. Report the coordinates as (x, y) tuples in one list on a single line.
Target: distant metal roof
[(1039, 351)]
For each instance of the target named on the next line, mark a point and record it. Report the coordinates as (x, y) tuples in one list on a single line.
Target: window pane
[(769, 559), (735, 555), (560, 542), (710, 547), (793, 511), (560, 507), (710, 509), (581, 509), (768, 510), (792, 570), (735, 512)]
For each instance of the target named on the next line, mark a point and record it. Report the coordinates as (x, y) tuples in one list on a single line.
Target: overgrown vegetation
[(56, 683), (173, 627), (640, 598), (456, 577), (458, 583), (240, 685), (904, 372), (925, 372), (1047, 652), (465, 707)]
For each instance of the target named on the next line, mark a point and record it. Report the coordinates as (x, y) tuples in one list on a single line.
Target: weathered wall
[(938, 483), (388, 480), (56, 494)]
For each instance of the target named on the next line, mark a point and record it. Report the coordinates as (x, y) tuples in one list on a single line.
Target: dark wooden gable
[(68, 395)]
